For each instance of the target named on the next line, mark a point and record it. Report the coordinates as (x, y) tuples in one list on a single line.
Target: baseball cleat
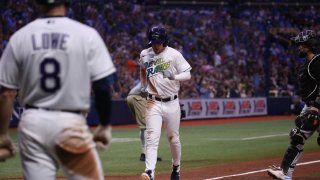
[(277, 173), (147, 175), (175, 175)]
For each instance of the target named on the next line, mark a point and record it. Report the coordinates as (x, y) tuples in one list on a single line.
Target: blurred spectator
[(226, 46)]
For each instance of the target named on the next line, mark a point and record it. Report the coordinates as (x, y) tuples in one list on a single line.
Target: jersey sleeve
[(143, 77), (181, 63), (9, 70), (100, 61)]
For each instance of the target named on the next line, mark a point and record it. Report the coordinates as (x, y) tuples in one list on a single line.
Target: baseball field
[(211, 149)]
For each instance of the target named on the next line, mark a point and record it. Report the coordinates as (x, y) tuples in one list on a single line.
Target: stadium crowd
[(235, 51)]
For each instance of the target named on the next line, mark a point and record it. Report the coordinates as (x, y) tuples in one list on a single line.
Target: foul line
[(262, 170), (248, 138), (262, 137)]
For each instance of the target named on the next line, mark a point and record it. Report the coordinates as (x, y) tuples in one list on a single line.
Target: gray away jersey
[(52, 62)]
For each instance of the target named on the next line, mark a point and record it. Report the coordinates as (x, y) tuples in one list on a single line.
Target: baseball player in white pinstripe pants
[(162, 69)]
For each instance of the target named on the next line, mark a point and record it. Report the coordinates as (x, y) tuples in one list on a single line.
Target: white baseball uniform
[(52, 61), (163, 104)]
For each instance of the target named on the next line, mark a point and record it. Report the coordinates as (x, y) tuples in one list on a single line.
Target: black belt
[(162, 99), (49, 109)]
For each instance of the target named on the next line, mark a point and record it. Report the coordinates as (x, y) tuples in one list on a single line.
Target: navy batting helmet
[(157, 35), (48, 2), (308, 38)]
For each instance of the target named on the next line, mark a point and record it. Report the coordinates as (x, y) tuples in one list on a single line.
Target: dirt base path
[(249, 170), (234, 171)]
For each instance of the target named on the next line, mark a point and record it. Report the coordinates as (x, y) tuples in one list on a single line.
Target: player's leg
[(303, 131), (153, 133), (137, 106), (37, 162), (172, 124), (143, 144), (140, 114), (82, 166), (76, 151)]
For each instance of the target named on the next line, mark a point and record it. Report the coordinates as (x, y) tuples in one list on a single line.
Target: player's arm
[(182, 67), (103, 103), (143, 80), (9, 78), (143, 74), (314, 69), (6, 105), (183, 76)]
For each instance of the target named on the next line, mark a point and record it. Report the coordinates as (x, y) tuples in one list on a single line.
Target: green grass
[(201, 146)]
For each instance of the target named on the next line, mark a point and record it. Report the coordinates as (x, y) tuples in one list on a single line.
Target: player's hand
[(144, 92), (102, 136), (168, 74), (7, 149)]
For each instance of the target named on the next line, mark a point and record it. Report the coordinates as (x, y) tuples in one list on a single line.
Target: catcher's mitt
[(309, 120)]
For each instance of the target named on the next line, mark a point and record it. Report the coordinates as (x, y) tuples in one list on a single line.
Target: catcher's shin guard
[(294, 150), (290, 159)]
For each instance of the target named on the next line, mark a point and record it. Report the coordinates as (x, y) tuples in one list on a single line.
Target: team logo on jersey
[(156, 66)]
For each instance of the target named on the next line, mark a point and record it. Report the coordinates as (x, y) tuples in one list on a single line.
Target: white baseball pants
[(168, 113), (50, 138)]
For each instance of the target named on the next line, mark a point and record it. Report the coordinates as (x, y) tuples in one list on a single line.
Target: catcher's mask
[(157, 35), (307, 38)]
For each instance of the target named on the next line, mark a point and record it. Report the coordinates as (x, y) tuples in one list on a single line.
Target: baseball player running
[(52, 61), (162, 68), (137, 106), (308, 120)]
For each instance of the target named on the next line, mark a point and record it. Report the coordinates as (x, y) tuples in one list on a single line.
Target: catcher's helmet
[(157, 35), (48, 2), (308, 38)]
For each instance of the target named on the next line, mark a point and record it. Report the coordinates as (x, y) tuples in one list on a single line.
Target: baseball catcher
[(308, 120)]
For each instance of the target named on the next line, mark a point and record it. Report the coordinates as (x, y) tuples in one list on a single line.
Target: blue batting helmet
[(48, 2), (157, 35)]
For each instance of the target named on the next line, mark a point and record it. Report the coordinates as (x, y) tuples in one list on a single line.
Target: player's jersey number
[(50, 81)]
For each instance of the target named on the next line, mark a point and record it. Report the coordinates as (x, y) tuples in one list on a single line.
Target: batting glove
[(168, 74), (102, 136), (144, 92), (7, 149)]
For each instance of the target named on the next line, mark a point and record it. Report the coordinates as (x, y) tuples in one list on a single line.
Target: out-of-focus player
[(52, 61)]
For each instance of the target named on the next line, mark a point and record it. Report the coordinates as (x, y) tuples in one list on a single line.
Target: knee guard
[(297, 138), (294, 151)]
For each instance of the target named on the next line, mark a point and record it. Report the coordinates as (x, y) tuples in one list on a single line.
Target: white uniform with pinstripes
[(158, 112), (52, 62)]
